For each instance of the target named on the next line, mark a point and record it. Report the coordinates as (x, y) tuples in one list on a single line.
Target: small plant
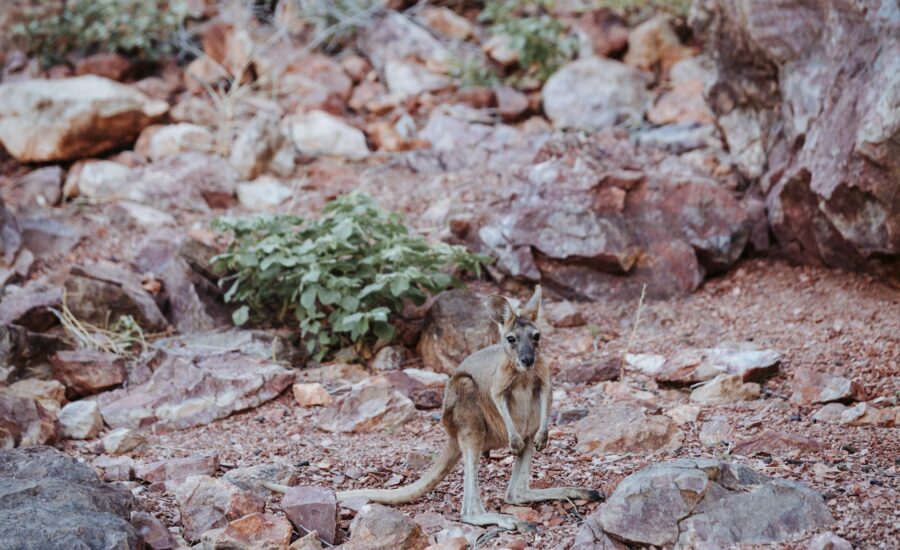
[(539, 39), (122, 337), (144, 28), (472, 73), (335, 22), (340, 277)]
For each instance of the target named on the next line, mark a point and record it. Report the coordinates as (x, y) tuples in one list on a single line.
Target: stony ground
[(835, 321)]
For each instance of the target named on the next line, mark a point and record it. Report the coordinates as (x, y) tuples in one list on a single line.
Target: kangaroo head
[(519, 335)]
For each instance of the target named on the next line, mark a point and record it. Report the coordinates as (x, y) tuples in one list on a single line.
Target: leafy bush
[(340, 277), (144, 28), (539, 38)]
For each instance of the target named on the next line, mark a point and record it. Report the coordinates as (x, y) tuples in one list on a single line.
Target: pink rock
[(86, 372), (207, 503), (776, 443), (811, 386), (312, 509), (378, 527), (152, 531), (372, 404), (25, 422), (176, 469)]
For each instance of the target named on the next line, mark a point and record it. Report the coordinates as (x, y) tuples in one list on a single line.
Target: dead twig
[(637, 322)]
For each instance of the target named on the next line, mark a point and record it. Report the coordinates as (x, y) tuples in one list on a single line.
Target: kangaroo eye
[(511, 339), (536, 337)]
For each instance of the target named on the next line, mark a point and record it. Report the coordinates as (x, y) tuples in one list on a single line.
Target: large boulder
[(807, 97), (705, 503), (600, 217), (52, 120), (625, 427), (51, 501), (456, 326)]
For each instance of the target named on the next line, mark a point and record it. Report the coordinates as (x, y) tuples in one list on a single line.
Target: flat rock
[(178, 469), (691, 366), (47, 238), (725, 388), (53, 502), (372, 404), (80, 420), (777, 443), (716, 431), (683, 414), (812, 387), (190, 389), (592, 372), (312, 394), (378, 527), (66, 119), (863, 414), (122, 440), (88, 372), (456, 326), (24, 422), (564, 315), (209, 503), (625, 427), (312, 509), (172, 139), (422, 395), (708, 503), (96, 179), (263, 193), (255, 531)]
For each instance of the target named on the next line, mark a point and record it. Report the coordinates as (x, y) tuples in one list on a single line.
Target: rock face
[(193, 386), (625, 427), (51, 501), (788, 88), (378, 527), (52, 120), (595, 93), (600, 219), (456, 326), (371, 404), (705, 503), (208, 503)]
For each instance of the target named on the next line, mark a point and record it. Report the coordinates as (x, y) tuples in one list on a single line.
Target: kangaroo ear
[(534, 309), (499, 309)]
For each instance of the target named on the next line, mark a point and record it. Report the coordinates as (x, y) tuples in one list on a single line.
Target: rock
[(862, 414), (501, 49), (122, 440), (428, 378), (592, 226), (194, 386), (653, 44), (52, 502), (408, 79), (52, 120), (308, 542), (49, 393), (777, 443), (422, 396), (456, 326), (590, 536), (812, 387), (178, 469), (195, 110), (96, 179), (828, 541), (685, 101), (648, 363), (311, 395), (114, 468), (378, 527), (680, 138), (263, 193), (208, 503), (622, 391), (691, 366), (152, 531), (312, 509), (25, 422), (315, 82), (591, 372), (127, 213), (259, 344), (389, 358), (172, 139), (716, 431), (371, 404), (725, 388), (808, 93), (99, 292), (47, 238), (396, 36), (256, 145), (707, 503), (684, 414), (318, 133), (40, 189), (602, 32), (28, 306), (830, 413), (625, 427), (108, 65), (251, 532), (87, 372), (511, 103), (445, 21), (251, 478), (564, 315), (10, 235), (192, 182), (593, 93), (80, 420)]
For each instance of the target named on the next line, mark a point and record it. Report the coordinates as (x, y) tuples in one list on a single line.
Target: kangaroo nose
[(527, 358)]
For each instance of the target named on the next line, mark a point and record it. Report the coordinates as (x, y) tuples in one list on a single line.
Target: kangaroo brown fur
[(499, 396)]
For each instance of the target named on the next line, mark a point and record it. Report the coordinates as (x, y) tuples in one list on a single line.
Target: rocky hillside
[(246, 243)]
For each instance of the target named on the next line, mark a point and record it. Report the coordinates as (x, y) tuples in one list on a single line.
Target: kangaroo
[(498, 396)]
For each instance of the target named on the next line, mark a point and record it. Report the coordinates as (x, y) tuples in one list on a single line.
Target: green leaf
[(241, 315)]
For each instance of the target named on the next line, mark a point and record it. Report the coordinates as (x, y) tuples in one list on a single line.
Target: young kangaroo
[(498, 396)]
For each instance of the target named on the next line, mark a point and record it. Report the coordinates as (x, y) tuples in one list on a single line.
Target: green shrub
[(144, 28), (540, 39), (473, 73), (340, 277)]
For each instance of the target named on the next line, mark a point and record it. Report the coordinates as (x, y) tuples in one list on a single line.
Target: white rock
[(408, 78), (311, 395), (179, 138), (593, 93), (96, 179), (263, 193), (427, 377), (648, 363), (318, 133), (122, 440), (71, 118), (725, 388), (80, 420), (683, 414), (142, 215), (716, 431)]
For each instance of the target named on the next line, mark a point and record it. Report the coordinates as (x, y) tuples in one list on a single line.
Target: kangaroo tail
[(408, 493)]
